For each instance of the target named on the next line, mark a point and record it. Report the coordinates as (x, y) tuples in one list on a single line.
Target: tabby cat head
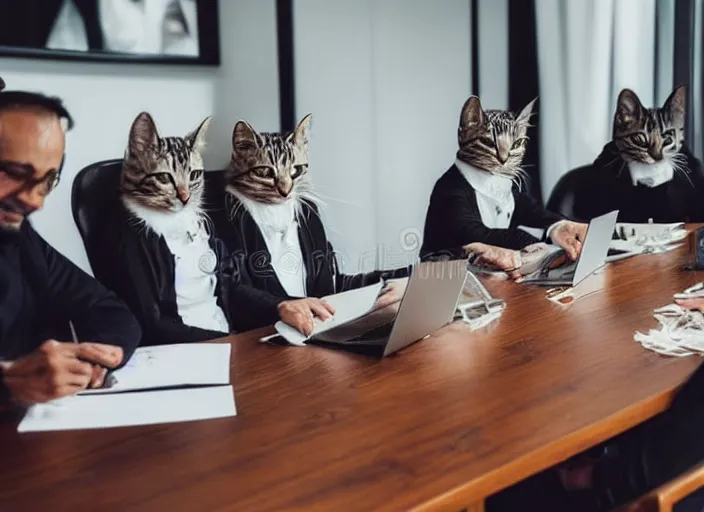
[(493, 140), (163, 173), (269, 167), (649, 135)]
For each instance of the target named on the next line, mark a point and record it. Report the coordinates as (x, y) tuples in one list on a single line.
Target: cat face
[(268, 167), (163, 173), (493, 140), (649, 135)]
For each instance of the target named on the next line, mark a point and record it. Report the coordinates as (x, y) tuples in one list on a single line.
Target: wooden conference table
[(438, 426)]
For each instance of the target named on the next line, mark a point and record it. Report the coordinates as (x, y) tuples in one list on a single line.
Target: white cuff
[(548, 233)]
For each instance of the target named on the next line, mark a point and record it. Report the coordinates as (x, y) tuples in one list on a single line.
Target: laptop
[(428, 304), (593, 256)]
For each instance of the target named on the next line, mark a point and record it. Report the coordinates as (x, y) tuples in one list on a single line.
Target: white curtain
[(588, 50)]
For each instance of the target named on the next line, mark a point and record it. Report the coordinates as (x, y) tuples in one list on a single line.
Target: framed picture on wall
[(148, 31)]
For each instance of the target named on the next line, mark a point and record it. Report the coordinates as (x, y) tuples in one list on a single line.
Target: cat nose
[(656, 153), (502, 156), (284, 189), (183, 194)]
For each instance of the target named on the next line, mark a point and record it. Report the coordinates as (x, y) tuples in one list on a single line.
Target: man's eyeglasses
[(22, 175)]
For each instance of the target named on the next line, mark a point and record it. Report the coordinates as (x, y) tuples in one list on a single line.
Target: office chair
[(665, 497), (563, 197), (95, 203)]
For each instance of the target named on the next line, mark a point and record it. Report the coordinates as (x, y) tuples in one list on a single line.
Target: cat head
[(493, 140), (649, 135), (269, 167), (166, 173)]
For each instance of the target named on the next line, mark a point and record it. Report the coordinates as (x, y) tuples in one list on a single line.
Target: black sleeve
[(97, 314), (530, 213), (248, 307), (344, 282), (140, 270), (464, 224)]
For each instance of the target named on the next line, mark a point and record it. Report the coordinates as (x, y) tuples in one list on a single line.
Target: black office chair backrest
[(95, 201), (567, 192)]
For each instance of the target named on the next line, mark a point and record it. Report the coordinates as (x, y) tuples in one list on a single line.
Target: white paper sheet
[(126, 409), (348, 306), (166, 366)]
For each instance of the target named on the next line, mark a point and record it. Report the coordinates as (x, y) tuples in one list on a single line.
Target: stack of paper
[(681, 332), (150, 368), (634, 239)]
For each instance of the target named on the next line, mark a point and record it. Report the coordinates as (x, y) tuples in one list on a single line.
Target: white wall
[(105, 98), (385, 81)]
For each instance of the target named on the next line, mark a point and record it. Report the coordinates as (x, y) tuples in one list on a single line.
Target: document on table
[(164, 366), (127, 409), (349, 305)]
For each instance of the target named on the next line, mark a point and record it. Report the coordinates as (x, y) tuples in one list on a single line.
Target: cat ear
[(197, 137), (472, 113), (302, 131), (676, 105), (525, 115), (143, 134), (628, 108), (244, 137)]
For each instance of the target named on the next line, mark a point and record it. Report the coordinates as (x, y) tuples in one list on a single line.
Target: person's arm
[(97, 314), (531, 213)]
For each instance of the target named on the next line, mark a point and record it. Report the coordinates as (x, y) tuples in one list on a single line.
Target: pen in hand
[(109, 380)]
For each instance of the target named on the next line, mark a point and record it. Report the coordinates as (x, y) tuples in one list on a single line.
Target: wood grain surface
[(437, 426)]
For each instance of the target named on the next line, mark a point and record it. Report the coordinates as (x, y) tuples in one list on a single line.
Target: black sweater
[(610, 187), (247, 247), (453, 219), (41, 291), (136, 263)]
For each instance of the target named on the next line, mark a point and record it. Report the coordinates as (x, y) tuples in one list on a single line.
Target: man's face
[(31, 152)]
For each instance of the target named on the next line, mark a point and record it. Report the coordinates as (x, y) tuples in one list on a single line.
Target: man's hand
[(300, 313), (694, 303), (496, 258), (570, 236), (391, 293), (56, 370)]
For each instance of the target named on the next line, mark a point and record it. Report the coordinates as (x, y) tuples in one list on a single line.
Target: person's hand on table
[(570, 236), (300, 313), (391, 293), (696, 303), (496, 258), (56, 370)]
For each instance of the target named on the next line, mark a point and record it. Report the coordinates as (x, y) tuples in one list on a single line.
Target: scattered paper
[(165, 366), (681, 331), (349, 305), (635, 239), (126, 409)]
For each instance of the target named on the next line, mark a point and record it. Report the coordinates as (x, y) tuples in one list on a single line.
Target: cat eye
[(163, 177), (196, 174), (668, 137), (266, 173), (519, 144), (639, 140), (298, 170)]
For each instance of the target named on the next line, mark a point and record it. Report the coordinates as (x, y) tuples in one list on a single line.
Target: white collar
[(651, 175), (494, 186), (189, 220)]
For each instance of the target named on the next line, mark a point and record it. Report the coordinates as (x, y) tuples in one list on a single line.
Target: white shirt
[(651, 175), (495, 199), (494, 195), (195, 264), (279, 227)]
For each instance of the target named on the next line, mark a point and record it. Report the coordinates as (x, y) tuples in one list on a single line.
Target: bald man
[(42, 292)]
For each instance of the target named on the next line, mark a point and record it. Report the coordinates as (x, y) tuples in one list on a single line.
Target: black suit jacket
[(247, 247), (138, 265), (610, 187), (453, 219)]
